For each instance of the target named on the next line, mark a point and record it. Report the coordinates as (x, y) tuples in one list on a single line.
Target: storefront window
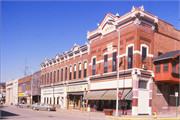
[(57, 100), (44, 100)]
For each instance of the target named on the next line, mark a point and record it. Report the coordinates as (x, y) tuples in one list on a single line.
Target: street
[(14, 113)]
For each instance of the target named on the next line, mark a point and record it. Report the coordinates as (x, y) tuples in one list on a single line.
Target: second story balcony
[(167, 67)]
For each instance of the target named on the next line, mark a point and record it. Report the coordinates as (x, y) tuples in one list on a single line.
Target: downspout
[(152, 91)]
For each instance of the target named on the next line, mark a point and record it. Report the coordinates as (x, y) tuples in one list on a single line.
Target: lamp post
[(53, 94), (84, 98), (117, 99), (31, 83)]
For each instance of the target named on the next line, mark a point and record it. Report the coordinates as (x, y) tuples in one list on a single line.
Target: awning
[(75, 93), (109, 94), (95, 95)]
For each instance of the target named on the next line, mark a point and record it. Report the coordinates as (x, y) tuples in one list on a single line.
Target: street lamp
[(31, 82), (118, 30), (53, 94)]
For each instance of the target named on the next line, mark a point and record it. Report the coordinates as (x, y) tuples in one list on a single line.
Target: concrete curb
[(121, 118)]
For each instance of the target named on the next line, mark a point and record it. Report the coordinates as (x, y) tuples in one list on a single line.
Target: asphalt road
[(14, 113)]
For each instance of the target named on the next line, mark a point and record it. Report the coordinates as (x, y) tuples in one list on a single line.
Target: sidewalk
[(85, 113), (123, 117)]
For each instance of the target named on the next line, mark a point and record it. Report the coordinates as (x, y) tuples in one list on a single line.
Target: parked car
[(42, 106), (22, 105)]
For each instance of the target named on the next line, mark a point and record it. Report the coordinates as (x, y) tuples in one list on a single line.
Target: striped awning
[(109, 94), (95, 95)]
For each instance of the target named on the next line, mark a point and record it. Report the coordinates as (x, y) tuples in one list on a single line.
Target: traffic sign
[(119, 95)]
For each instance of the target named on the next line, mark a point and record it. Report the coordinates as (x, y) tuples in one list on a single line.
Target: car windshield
[(45, 105)]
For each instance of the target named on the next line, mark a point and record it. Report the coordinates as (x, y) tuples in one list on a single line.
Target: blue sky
[(35, 30)]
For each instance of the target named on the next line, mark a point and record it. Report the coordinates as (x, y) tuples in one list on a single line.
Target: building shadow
[(5, 114)]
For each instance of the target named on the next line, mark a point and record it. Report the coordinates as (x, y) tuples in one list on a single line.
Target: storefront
[(24, 97), (106, 99), (54, 95), (75, 96)]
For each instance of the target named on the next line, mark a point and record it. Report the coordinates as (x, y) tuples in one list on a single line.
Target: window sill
[(172, 95)]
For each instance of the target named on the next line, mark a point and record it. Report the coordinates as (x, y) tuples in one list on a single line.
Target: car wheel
[(48, 109)]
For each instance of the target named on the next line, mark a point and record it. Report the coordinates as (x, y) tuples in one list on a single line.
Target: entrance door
[(143, 102)]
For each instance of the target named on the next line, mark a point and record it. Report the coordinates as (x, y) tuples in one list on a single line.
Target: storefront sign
[(50, 91), (76, 88), (23, 94), (20, 94)]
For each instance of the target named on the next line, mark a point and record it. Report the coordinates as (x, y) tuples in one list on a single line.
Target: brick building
[(142, 35), (167, 73), (65, 78), (24, 89)]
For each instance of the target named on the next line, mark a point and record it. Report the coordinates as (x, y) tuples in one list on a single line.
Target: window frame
[(70, 72), (144, 54), (50, 77), (165, 64), (130, 56), (58, 75), (158, 65), (105, 63), (74, 77), (65, 73), (80, 65), (54, 77), (114, 60), (61, 74), (85, 69), (45, 79), (174, 66), (94, 66), (141, 83)]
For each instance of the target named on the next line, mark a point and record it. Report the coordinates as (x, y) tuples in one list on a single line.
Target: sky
[(34, 30)]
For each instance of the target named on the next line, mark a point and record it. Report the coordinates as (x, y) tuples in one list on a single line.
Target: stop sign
[(119, 95)]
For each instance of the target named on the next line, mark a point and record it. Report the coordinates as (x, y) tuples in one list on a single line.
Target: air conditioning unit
[(144, 67)]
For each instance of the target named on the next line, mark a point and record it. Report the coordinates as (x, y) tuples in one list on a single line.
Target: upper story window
[(57, 75), (61, 74), (54, 76), (79, 70), (143, 84), (45, 79), (158, 67), (130, 57), (174, 66), (94, 66), (114, 61), (165, 66), (74, 71), (144, 54), (70, 72), (50, 77), (85, 69), (65, 73), (105, 63)]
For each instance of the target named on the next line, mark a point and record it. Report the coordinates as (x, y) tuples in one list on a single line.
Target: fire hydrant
[(154, 113)]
